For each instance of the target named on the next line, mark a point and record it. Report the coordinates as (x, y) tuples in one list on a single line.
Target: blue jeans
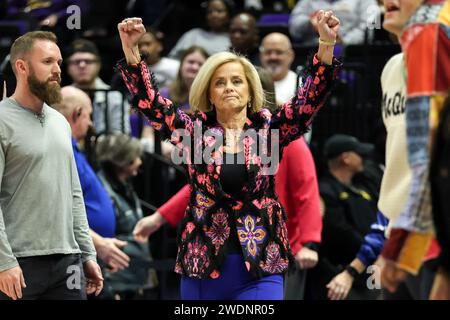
[(234, 283)]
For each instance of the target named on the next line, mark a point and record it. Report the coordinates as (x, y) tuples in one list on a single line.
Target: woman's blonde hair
[(199, 94)]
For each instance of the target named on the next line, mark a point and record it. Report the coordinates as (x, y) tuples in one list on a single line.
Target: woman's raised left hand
[(328, 26)]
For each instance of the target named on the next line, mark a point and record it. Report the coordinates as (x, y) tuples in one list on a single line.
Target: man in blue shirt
[(76, 106)]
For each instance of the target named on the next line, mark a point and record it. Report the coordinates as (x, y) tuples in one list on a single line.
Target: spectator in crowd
[(244, 37), (396, 181), (268, 86), (349, 211), (409, 254), (298, 191), (77, 108), (43, 225), (43, 12), (277, 56), (83, 67), (357, 14), (49, 15), (119, 156), (151, 46), (340, 286), (215, 39), (191, 61)]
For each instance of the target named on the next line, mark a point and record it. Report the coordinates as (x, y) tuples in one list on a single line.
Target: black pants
[(294, 284), (52, 277)]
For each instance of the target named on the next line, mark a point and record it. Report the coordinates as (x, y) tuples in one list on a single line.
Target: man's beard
[(49, 93), (274, 68), (150, 59)]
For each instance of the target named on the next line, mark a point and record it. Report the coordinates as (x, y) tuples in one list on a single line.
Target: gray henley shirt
[(41, 203)]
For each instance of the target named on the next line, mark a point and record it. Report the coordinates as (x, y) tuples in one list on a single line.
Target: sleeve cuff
[(123, 66), (364, 259), (407, 249), (169, 218), (9, 265), (88, 257), (312, 245), (331, 69)]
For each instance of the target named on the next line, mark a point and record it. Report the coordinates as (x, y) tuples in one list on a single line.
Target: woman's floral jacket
[(257, 217)]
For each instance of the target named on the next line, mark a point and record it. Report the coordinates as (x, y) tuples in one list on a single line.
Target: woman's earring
[(249, 103)]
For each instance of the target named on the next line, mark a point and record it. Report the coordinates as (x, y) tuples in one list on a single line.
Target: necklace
[(38, 115)]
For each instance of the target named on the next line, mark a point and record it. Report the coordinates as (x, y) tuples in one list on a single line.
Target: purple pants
[(234, 283)]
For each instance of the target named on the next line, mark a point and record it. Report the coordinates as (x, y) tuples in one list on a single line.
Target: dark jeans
[(52, 277), (294, 284)]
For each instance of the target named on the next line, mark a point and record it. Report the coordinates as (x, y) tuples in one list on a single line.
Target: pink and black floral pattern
[(196, 259), (258, 217), (202, 204), (219, 232), (274, 263), (251, 234)]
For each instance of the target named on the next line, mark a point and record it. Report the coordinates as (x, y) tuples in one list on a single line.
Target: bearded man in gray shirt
[(46, 251)]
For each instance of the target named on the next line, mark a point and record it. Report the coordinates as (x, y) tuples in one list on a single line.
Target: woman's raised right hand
[(130, 31)]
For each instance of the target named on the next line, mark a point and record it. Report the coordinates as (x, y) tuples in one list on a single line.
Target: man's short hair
[(158, 35), (22, 45), (83, 45), (340, 143)]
